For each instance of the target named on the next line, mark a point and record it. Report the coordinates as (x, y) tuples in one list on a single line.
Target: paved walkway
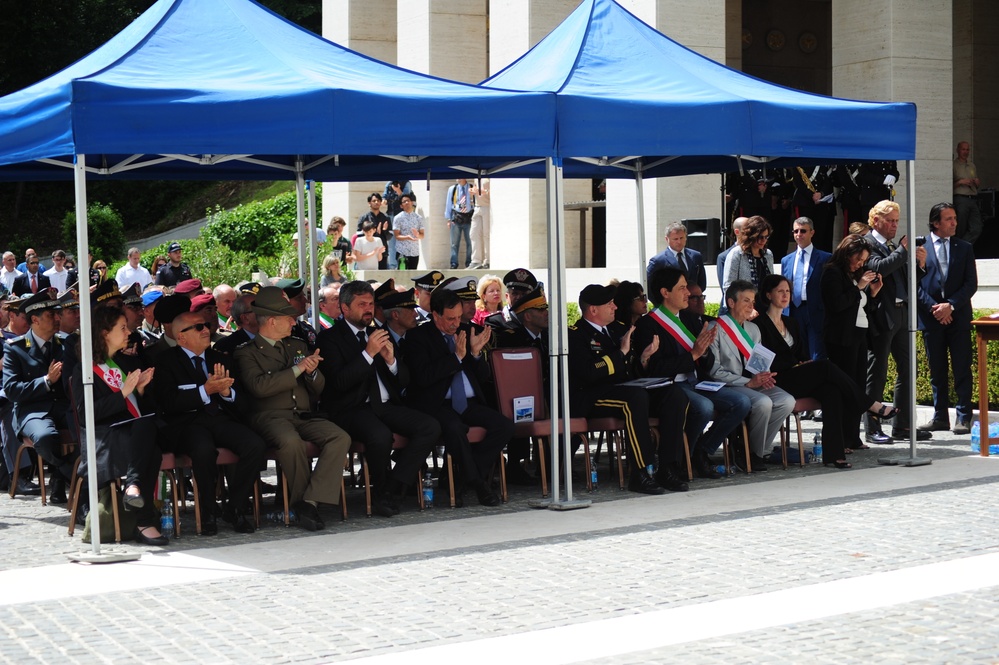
[(882, 564)]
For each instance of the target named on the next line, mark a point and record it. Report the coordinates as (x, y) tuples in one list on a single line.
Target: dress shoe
[(155, 541), (666, 478), (879, 438), (27, 488), (702, 465), (308, 516), (486, 495), (934, 425), (517, 475), (381, 506), (238, 519), (58, 495), (132, 501), (209, 527), (643, 483), (962, 426), (759, 463), (904, 435)]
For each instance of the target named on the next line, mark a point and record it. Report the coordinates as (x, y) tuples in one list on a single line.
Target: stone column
[(976, 97), (368, 27), (519, 206), (712, 28), (445, 38), (900, 50)]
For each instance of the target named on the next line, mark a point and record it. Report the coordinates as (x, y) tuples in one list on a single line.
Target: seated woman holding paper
[(842, 400), (126, 442)]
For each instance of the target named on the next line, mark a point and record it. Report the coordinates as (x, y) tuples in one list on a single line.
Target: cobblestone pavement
[(879, 564)]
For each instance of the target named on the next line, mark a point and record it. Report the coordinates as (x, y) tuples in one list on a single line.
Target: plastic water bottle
[(593, 472), (428, 491), (722, 470), (976, 437), (166, 518), (817, 449)]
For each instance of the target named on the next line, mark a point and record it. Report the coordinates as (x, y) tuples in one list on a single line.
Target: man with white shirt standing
[(944, 294), (9, 272), (132, 272), (804, 270)]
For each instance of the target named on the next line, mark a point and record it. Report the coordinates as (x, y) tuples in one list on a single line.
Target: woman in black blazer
[(126, 443), (842, 399)]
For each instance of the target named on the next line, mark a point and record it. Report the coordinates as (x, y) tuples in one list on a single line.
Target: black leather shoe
[(209, 527), (643, 483), (759, 463), (58, 495), (666, 478), (879, 438), (702, 466), (132, 502), (934, 426), (383, 508), (962, 427), (904, 434), (517, 475), (27, 488), (157, 541), (308, 516), (486, 495), (238, 519)]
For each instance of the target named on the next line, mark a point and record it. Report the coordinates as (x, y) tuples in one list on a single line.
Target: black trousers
[(374, 425), (631, 404), (670, 406), (475, 460), (895, 342)]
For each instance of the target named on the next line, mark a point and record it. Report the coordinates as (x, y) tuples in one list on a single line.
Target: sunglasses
[(197, 326), (641, 298)]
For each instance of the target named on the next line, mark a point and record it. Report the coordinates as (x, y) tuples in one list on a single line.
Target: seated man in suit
[(447, 370), (945, 293), (32, 380), (598, 362), (363, 395), (684, 355), (197, 400), (676, 255), (246, 325), (32, 281), (283, 381), (803, 268), (732, 347), (399, 309)]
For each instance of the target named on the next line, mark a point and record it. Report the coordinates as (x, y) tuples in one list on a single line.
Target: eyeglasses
[(102, 267), (32, 263), (641, 298), (197, 326), (799, 231), (763, 238), (695, 297)]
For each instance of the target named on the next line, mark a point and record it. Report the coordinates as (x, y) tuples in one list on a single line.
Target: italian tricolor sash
[(223, 322), (111, 374), (325, 321), (671, 322), (737, 334)]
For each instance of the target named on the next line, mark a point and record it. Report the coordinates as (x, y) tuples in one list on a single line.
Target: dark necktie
[(47, 354), (459, 402), (891, 245), (362, 338), (681, 263)]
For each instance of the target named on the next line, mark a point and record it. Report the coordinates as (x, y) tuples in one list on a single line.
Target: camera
[(920, 241)]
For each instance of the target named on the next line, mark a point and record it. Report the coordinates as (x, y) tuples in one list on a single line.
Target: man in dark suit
[(197, 400), (32, 380), (32, 281), (803, 268), (944, 294), (890, 261), (364, 396), (598, 362), (447, 370), (676, 255)]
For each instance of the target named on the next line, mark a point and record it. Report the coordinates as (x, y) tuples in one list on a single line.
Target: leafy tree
[(106, 232)]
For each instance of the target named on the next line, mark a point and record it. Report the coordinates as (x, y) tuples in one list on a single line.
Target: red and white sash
[(112, 375), (674, 326), (738, 335)]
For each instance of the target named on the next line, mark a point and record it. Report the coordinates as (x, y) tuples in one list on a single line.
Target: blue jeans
[(457, 232), (392, 263), (726, 407)]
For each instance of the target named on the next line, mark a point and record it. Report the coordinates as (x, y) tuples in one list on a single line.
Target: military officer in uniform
[(303, 330), (424, 286), (282, 379)]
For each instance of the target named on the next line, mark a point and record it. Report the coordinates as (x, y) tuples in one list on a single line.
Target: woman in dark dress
[(843, 401), (126, 443)]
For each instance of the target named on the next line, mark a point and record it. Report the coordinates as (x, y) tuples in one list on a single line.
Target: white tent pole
[(911, 232), (556, 324), (640, 196), (313, 252), (86, 350), (300, 211)]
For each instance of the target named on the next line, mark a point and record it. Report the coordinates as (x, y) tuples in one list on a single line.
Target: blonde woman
[(490, 298)]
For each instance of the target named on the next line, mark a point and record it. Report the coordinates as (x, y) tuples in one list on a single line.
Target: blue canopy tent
[(634, 103), (226, 89)]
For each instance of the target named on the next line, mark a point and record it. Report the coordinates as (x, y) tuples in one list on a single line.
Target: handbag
[(461, 217)]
